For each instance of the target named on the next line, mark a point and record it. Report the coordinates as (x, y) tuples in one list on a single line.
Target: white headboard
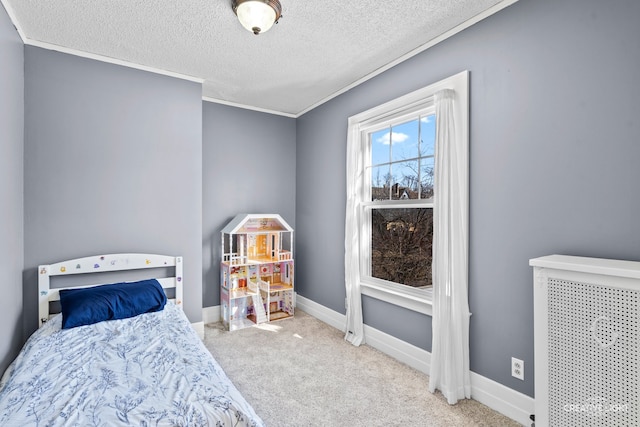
[(102, 264)]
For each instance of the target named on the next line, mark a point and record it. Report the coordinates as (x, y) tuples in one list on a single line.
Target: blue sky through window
[(396, 157)]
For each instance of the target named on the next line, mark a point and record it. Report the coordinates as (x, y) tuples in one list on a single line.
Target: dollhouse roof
[(256, 223)]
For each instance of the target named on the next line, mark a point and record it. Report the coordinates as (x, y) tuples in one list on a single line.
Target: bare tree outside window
[(401, 241)]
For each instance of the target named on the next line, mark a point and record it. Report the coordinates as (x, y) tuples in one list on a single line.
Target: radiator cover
[(587, 341)]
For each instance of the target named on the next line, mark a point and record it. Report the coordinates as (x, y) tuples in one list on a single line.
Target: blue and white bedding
[(149, 370)]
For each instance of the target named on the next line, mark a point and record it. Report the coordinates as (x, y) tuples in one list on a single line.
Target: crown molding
[(249, 107)]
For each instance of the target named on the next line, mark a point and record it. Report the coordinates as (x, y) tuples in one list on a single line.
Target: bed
[(151, 369)]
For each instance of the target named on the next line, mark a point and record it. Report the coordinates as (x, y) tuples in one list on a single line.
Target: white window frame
[(407, 107)]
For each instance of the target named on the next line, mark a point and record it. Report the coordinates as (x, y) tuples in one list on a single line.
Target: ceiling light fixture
[(257, 16)]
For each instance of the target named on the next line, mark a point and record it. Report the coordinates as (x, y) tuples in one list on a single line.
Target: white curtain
[(354, 328), (450, 346)]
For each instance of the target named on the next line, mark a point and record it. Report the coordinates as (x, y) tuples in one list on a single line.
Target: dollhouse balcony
[(234, 259)]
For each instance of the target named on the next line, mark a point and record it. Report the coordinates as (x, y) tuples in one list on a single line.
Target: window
[(395, 191), (399, 211)]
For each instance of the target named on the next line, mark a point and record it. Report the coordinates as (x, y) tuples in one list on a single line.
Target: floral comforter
[(149, 370)]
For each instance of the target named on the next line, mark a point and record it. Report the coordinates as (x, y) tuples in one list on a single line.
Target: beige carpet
[(300, 372)]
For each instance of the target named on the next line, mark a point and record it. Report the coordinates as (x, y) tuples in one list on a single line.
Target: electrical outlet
[(517, 368)]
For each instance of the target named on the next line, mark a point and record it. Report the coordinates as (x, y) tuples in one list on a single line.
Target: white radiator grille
[(593, 355)]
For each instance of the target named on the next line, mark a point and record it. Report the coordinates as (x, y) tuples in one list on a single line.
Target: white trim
[(328, 316), (505, 400), (601, 266), (14, 20), (199, 328), (211, 314), (110, 60), (463, 26), (418, 300), (249, 107), (496, 396), (411, 102), (409, 354)]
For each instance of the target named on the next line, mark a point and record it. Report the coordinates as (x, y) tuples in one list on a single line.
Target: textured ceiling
[(319, 48)]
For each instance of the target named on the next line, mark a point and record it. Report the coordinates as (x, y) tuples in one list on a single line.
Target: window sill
[(420, 300)]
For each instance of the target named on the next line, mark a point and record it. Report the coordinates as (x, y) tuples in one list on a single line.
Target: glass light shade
[(256, 16)]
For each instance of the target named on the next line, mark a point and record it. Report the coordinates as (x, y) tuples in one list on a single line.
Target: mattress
[(149, 370)]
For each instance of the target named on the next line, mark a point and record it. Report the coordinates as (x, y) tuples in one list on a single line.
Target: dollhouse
[(256, 271)]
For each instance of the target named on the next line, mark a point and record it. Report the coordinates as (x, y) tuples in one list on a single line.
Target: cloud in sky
[(426, 119), (396, 137)]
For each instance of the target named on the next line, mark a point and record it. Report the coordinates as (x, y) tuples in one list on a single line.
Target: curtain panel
[(450, 326), (355, 169)]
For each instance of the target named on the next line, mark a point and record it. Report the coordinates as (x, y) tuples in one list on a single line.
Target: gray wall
[(554, 151), (117, 159), (248, 166), (113, 163), (11, 189)]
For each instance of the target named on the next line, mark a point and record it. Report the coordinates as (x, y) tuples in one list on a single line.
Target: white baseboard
[(199, 328), (505, 400), (211, 314), (409, 354), (508, 402), (320, 312)]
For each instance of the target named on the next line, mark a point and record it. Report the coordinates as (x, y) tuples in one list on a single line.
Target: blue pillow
[(86, 306)]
